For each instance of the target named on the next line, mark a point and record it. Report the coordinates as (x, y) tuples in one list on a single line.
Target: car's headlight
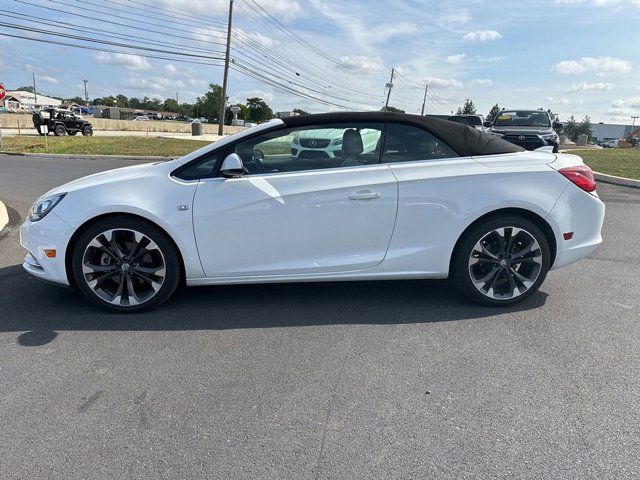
[(550, 136), (44, 205), (295, 140), (337, 141)]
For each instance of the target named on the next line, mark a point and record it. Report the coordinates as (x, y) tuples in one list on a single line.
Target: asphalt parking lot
[(307, 381)]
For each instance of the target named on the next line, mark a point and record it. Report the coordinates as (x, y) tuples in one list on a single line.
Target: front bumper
[(50, 233)]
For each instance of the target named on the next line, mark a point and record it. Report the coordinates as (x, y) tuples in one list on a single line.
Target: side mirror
[(558, 126), (232, 166), (486, 124)]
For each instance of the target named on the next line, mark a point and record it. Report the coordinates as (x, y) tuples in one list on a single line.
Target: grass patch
[(621, 162), (124, 146)]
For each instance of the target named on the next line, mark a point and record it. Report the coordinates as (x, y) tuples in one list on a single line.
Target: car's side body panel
[(315, 221)]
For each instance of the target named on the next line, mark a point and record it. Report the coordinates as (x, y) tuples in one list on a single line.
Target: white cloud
[(361, 61), (632, 103), (482, 36), (170, 69), (279, 8), (558, 101), (601, 3), (126, 60), (569, 67), (480, 82), (455, 59), (590, 87), (437, 82), (600, 66), (47, 79)]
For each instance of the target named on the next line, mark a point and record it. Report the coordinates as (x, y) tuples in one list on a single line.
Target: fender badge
[(182, 208)]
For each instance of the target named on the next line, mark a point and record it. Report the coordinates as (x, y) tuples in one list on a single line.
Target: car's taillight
[(580, 175)]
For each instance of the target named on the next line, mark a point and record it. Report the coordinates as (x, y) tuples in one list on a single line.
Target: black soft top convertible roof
[(466, 141)]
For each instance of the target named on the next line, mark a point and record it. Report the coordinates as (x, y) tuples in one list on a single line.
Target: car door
[(288, 218)]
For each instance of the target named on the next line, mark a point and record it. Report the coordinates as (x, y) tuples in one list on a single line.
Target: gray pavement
[(305, 381)]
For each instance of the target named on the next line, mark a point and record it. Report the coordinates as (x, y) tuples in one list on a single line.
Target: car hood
[(110, 176)]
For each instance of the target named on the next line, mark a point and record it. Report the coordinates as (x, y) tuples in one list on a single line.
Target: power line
[(274, 21)]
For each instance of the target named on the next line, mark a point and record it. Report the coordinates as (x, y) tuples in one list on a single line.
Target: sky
[(577, 57)]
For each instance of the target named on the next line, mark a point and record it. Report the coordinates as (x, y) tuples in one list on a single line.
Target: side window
[(311, 148), (405, 143), (201, 169)]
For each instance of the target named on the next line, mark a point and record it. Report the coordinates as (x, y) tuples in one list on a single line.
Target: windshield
[(523, 118), (471, 121)]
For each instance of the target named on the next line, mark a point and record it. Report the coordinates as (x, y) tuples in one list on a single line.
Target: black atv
[(60, 122)]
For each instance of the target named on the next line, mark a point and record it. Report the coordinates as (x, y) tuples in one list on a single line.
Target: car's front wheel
[(501, 260), (87, 131), (125, 264)]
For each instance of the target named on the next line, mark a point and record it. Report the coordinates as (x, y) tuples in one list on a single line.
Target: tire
[(140, 272), (489, 273), (87, 131), (59, 130)]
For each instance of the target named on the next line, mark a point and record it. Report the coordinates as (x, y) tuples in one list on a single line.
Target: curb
[(612, 179), (4, 216), (69, 155)]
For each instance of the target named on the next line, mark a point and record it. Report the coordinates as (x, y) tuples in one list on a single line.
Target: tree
[(76, 100), (585, 127), (258, 110), (553, 116), (135, 103), (26, 89), (122, 100), (171, 105), (571, 129), (493, 113), (391, 109), (299, 111), (468, 108), (208, 105)]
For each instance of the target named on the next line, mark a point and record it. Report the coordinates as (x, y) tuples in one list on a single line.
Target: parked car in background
[(610, 144), (431, 199), (327, 142), (60, 122), (474, 121), (530, 129), (140, 118)]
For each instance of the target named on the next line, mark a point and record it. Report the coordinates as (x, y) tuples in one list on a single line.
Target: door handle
[(364, 195)]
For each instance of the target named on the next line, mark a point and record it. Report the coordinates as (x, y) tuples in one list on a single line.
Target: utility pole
[(635, 117), (223, 99), (389, 87), (424, 100), (177, 98), (35, 92), (86, 95)]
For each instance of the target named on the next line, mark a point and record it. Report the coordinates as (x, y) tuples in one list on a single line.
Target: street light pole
[(35, 92), (223, 99), (86, 95)]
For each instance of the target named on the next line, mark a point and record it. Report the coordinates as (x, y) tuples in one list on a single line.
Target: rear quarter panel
[(438, 200)]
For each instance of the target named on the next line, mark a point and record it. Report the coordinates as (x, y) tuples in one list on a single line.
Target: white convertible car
[(433, 199)]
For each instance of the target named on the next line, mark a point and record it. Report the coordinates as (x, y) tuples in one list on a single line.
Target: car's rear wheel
[(59, 130), (501, 261), (125, 264), (87, 131)]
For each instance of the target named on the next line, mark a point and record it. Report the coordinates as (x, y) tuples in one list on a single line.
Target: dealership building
[(610, 131), (21, 101)]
